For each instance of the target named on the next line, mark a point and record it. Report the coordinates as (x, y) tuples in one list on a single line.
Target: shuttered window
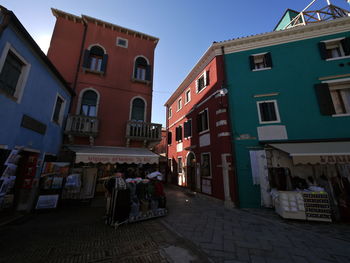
[(268, 111), (95, 59), (260, 61), (324, 99), (58, 111), (169, 137), (188, 129), (178, 132), (10, 74), (202, 121), (338, 48), (142, 70)]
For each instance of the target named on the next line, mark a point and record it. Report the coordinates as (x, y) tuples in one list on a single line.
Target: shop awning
[(316, 152), (101, 154)]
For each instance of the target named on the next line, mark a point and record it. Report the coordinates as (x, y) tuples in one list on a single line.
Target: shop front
[(309, 181)]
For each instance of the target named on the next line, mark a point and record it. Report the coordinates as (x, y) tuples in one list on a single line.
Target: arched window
[(95, 59), (89, 103), (142, 69), (138, 110)]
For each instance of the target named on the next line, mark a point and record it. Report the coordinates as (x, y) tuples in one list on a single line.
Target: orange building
[(110, 68)]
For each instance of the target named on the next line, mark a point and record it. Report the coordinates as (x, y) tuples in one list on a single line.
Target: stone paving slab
[(251, 236)]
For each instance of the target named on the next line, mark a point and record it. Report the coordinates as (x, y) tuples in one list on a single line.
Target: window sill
[(261, 69), (147, 82), (203, 132), (269, 122), (9, 96), (201, 90), (343, 57), (96, 72), (187, 102), (341, 115)]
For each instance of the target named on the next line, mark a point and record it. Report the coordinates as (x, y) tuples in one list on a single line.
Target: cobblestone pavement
[(254, 235), (78, 234)]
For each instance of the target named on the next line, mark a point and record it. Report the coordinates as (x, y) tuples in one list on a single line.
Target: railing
[(82, 125), (141, 131)]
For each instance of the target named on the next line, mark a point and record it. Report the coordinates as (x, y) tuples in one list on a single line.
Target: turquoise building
[(287, 89)]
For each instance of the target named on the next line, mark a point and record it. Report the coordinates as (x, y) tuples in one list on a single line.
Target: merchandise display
[(317, 206), (134, 199)]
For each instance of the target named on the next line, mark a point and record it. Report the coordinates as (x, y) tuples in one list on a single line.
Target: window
[(260, 61), (205, 165), (179, 104), (138, 110), (188, 96), (142, 70), (122, 42), (268, 112), (336, 48), (170, 113), (333, 98), (202, 121), (179, 165), (95, 59), (169, 137), (89, 104), (188, 129), (202, 82), (58, 110), (178, 134), (14, 73)]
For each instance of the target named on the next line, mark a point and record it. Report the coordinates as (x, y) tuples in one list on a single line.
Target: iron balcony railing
[(81, 125), (141, 131)]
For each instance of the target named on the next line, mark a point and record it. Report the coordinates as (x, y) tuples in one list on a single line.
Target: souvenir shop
[(307, 181), (18, 180), (129, 179)]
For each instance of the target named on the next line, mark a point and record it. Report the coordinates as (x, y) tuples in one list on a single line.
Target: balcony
[(143, 131), (79, 125)]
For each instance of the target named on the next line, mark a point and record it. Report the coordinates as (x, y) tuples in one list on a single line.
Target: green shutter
[(324, 99), (251, 62), (346, 46), (323, 50), (268, 60)]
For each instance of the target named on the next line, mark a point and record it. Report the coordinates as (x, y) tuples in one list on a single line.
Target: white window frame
[(336, 41), (179, 159), (77, 111), (204, 131), (188, 91), (204, 75), (126, 42), (258, 55), (131, 103), (24, 72), (63, 107), (179, 104), (210, 164), (170, 112), (339, 85), (276, 109)]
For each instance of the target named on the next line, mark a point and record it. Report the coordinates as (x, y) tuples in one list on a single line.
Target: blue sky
[(186, 28)]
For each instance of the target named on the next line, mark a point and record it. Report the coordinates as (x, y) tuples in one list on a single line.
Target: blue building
[(34, 103)]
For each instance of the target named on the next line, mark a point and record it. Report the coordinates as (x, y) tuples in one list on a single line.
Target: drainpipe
[(79, 62), (233, 146)]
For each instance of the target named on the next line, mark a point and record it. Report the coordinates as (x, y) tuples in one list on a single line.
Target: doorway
[(191, 171)]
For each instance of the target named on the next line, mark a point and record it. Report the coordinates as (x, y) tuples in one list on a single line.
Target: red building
[(110, 68), (199, 144)]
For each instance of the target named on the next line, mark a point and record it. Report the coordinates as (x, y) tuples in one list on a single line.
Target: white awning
[(101, 154), (316, 152)]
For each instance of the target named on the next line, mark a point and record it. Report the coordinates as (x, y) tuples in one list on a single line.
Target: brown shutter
[(324, 99), (86, 61)]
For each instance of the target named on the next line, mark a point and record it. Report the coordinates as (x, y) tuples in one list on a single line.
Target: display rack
[(317, 207)]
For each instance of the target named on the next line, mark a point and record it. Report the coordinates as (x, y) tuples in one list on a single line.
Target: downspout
[(233, 146), (79, 62)]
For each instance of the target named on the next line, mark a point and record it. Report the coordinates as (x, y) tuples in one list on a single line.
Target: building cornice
[(320, 29), (88, 19)]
